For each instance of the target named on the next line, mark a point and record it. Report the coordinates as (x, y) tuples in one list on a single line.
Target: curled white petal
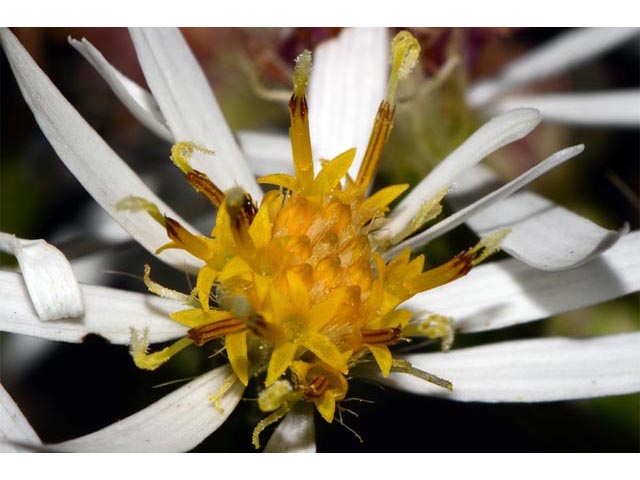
[(616, 107), (539, 370), (100, 171), (14, 426), (49, 278), (177, 422), (508, 292), (137, 99), (463, 215), (347, 84), (557, 56), (108, 312), (496, 133), (543, 234), (267, 153), (296, 433), (189, 106)]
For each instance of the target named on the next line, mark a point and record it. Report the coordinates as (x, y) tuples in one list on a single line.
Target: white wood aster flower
[(585, 264)]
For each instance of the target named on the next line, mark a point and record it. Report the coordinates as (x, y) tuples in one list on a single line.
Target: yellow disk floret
[(296, 288)]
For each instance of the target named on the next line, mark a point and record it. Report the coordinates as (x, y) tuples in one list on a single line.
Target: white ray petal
[(540, 370), (100, 171), (347, 84), (505, 191), (616, 107), (543, 234), (108, 312), (137, 99), (557, 56), (494, 134), (296, 433), (187, 102), (267, 153), (508, 292), (177, 422), (48, 276), (14, 427)]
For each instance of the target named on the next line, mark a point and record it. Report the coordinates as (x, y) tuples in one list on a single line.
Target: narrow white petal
[(505, 191), (137, 99), (557, 56), (540, 370), (508, 292), (296, 433), (189, 106), (108, 312), (617, 107), (14, 427), (48, 276), (347, 84), (496, 133), (267, 153), (543, 234), (176, 423), (100, 171)]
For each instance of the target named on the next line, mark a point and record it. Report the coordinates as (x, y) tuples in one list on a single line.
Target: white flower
[(494, 295)]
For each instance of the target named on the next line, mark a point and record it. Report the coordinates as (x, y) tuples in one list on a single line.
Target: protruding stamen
[(139, 204), (377, 141), (488, 245), (405, 51), (180, 155), (150, 361), (265, 422), (381, 335), (403, 366), (299, 130), (434, 326), (202, 184), (165, 292), (301, 73), (211, 331)]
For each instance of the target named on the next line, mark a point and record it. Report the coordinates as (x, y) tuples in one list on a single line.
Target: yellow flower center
[(296, 287)]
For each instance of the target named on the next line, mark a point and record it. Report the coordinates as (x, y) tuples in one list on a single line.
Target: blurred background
[(67, 390)]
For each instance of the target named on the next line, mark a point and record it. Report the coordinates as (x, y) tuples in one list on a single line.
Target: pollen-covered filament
[(299, 276)]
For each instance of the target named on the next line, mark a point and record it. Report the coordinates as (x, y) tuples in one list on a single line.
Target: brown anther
[(298, 106), (381, 335), (259, 326), (377, 141), (242, 211), (202, 184), (316, 388), (194, 244), (204, 333)]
